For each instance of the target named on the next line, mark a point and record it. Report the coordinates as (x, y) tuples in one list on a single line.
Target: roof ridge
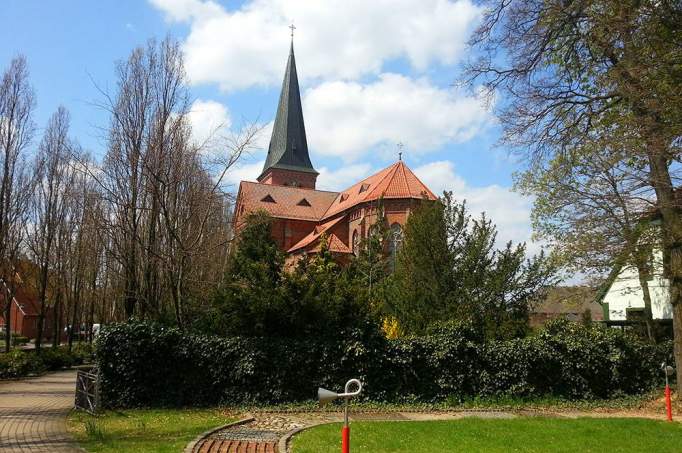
[(421, 182), (288, 187), (390, 171)]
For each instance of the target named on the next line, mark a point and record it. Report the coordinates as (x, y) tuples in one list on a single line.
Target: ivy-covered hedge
[(144, 364)]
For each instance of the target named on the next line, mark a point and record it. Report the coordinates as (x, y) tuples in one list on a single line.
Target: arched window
[(355, 242), (395, 238)]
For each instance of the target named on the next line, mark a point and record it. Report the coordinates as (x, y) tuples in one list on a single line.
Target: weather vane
[(292, 27), (400, 152)]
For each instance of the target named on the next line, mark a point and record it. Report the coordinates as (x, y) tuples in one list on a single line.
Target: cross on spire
[(292, 27), (400, 150)]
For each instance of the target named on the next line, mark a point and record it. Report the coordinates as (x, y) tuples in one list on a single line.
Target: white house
[(624, 293)]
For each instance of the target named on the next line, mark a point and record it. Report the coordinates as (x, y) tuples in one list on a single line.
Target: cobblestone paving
[(262, 434), (33, 414), (258, 436)]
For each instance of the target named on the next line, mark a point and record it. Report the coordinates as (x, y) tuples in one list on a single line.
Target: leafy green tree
[(583, 69), (249, 302), (369, 269), (596, 214), (318, 297), (449, 269), (418, 292), (324, 297)]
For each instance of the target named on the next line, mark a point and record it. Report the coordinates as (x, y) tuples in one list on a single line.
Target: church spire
[(288, 148)]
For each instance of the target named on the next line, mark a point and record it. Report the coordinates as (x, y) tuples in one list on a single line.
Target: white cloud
[(510, 211), (245, 170), (342, 178), (345, 119), (334, 39), (208, 119), (185, 10), (262, 139)]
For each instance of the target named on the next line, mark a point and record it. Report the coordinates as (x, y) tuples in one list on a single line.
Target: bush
[(144, 364), (55, 359), (17, 363), (18, 340)]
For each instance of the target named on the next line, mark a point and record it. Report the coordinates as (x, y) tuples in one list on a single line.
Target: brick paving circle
[(33, 414)]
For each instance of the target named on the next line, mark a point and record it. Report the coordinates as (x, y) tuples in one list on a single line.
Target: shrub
[(144, 364), (17, 363), (55, 359), (19, 340)]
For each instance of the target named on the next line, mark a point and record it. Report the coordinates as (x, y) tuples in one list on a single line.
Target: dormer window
[(363, 188), (344, 197), (303, 202), (268, 199)]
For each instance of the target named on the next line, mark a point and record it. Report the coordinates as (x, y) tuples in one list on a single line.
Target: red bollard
[(345, 439), (668, 403)]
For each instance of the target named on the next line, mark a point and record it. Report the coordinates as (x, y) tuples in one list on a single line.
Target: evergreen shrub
[(147, 364), (18, 363)]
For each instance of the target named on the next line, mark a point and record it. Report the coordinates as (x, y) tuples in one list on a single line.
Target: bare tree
[(166, 221), (16, 132), (53, 175)]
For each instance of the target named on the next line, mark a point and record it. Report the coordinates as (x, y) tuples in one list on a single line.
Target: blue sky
[(372, 74)]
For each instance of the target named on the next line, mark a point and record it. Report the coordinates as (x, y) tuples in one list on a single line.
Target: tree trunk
[(55, 322), (643, 275), (8, 314), (672, 241), (74, 322), (41, 315)]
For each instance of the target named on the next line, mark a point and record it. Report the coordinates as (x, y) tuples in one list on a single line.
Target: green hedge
[(145, 364), (18, 363)]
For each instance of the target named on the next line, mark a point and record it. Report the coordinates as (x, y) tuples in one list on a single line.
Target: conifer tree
[(249, 301), (450, 269)]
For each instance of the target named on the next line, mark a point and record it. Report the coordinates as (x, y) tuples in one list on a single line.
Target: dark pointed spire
[(288, 145)]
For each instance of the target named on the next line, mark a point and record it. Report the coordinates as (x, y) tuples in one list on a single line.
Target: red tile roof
[(396, 181), (314, 235), (336, 245), (287, 201)]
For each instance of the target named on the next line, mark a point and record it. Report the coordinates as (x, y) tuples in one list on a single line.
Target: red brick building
[(302, 214), (25, 311)]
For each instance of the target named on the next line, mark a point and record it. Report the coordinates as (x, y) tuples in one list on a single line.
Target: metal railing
[(87, 391)]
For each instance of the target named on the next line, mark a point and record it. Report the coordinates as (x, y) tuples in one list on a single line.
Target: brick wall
[(287, 232), (279, 177)]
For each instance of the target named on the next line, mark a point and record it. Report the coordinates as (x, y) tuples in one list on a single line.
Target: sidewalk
[(33, 414)]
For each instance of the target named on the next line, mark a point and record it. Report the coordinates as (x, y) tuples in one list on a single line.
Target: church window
[(395, 238), (303, 202), (356, 242), (268, 199)]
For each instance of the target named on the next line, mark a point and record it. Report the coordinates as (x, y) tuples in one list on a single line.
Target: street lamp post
[(668, 370), (326, 396)]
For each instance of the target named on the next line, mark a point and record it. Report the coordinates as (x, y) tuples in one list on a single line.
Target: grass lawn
[(143, 430), (488, 435)]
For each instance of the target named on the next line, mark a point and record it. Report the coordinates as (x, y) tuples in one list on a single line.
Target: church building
[(302, 214)]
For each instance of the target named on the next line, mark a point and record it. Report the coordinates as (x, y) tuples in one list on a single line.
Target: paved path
[(33, 414), (265, 432)]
